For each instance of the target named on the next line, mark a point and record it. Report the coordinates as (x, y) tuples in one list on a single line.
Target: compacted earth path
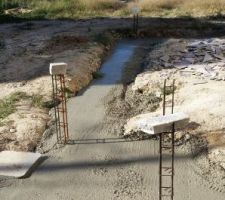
[(98, 165)]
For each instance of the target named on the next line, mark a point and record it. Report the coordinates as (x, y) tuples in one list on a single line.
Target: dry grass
[(157, 5), (102, 4), (196, 8), (92, 8), (204, 7)]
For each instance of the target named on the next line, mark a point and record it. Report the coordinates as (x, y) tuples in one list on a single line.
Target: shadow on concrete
[(35, 166)]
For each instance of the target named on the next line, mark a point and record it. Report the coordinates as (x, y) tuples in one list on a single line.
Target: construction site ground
[(99, 163)]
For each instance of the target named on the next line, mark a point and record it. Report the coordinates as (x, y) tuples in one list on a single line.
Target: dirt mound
[(63, 42)]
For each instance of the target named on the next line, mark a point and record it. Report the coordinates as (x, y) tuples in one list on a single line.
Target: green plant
[(97, 75), (37, 100), (7, 105), (49, 104), (168, 90), (103, 38), (70, 9)]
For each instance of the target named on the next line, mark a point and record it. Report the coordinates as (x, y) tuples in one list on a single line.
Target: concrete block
[(17, 164), (58, 68), (155, 125)]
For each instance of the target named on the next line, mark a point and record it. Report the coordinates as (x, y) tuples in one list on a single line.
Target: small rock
[(190, 60), (221, 57), (167, 65), (207, 58), (165, 58), (12, 130), (34, 116), (187, 137), (200, 82), (178, 135), (23, 83)]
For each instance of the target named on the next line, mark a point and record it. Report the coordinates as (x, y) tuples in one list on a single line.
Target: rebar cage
[(60, 108), (166, 148)]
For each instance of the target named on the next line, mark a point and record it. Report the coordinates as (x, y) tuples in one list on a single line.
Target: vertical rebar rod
[(57, 107), (164, 98), (162, 147), (160, 166), (173, 152), (54, 101), (137, 25), (66, 116), (173, 92), (63, 106), (160, 143), (173, 141)]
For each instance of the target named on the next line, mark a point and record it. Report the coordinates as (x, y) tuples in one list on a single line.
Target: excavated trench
[(99, 164)]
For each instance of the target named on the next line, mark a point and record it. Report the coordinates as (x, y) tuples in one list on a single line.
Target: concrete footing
[(155, 125), (58, 68), (17, 164)]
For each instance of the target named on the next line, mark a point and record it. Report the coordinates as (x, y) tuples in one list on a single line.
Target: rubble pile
[(204, 58)]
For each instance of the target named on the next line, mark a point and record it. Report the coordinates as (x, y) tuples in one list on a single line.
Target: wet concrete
[(105, 170)]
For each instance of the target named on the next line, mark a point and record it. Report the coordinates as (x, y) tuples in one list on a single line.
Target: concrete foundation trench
[(100, 162)]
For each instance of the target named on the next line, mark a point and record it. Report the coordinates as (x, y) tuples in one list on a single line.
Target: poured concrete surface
[(16, 164)]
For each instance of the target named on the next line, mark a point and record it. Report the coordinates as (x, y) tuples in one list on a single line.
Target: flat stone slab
[(17, 164), (58, 68), (155, 125)]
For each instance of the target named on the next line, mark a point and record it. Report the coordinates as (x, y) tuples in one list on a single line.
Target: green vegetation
[(97, 75), (69, 93), (71, 9), (168, 90), (8, 105), (37, 100), (104, 38)]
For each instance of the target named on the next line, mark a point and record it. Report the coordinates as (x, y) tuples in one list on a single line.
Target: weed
[(97, 75), (49, 104), (37, 100), (69, 92), (168, 90), (70, 9), (7, 105), (103, 38)]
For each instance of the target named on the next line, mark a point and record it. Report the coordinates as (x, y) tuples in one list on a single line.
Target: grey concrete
[(16, 164), (58, 68), (155, 125)]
